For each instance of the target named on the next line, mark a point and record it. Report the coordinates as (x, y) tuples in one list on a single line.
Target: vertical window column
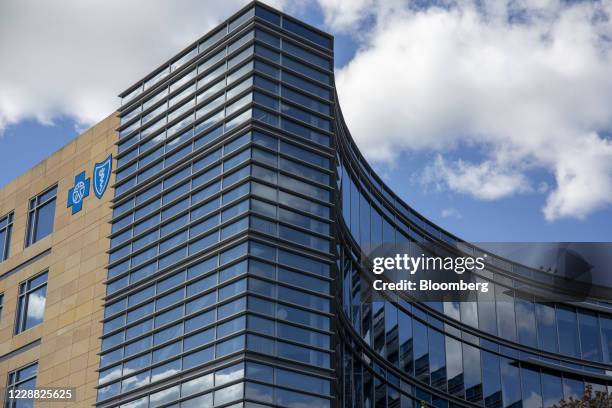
[(6, 227)]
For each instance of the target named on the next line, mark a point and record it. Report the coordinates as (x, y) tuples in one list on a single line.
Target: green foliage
[(588, 400)]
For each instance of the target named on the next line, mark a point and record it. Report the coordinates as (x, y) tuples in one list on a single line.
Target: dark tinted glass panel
[(526, 323), (46, 215), (505, 312), (606, 332), (567, 326), (552, 391), (421, 351), (487, 320), (589, 336), (306, 33), (472, 373), (437, 359), (547, 330), (491, 380), (532, 393)]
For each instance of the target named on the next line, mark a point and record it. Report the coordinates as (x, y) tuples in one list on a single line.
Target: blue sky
[(490, 149)]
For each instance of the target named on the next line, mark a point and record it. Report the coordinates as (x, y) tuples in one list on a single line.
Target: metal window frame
[(11, 384), (23, 296), (34, 206), (5, 251)]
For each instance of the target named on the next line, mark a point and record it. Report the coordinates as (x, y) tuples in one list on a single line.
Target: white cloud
[(36, 306), (451, 213), (535, 92), (485, 181), (71, 57), (345, 14)]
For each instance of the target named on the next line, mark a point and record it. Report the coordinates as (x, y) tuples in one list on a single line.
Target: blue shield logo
[(101, 176), (77, 194)]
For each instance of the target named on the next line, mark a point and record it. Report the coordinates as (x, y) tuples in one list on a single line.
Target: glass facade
[(241, 215)]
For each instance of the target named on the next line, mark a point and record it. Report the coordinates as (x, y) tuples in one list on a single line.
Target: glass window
[(491, 380), (454, 367), (572, 388), (267, 15), (267, 53), (547, 330), (306, 33), (532, 394), (239, 73), (259, 392), (267, 69), (233, 326), (589, 336), (567, 326), (487, 320), (166, 370), (304, 281), (302, 354), (164, 396), (267, 85), (303, 171), (306, 117), (198, 358), (306, 55), (1, 304), (292, 314), (229, 394), (606, 333), (6, 226), (229, 374), (306, 70), (391, 339), (31, 303), (511, 387), (292, 399), (472, 373), (526, 322), (259, 372), (421, 352), (21, 379), (303, 263), (41, 214), (306, 85), (305, 132), (437, 359), (197, 385), (405, 342), (199, 339), (552, 391), (300, 335), (303, 154), (240, 42), (505, 312)]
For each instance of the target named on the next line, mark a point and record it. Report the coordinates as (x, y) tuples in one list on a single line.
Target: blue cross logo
[(78, 193)]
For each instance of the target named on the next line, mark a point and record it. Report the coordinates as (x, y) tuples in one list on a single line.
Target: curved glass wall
[(502, 350), (242, 213)]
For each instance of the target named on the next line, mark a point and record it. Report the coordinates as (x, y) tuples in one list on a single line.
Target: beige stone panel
[(68, 353)]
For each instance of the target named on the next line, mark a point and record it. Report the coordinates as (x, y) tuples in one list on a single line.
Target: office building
[(241, 213)]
